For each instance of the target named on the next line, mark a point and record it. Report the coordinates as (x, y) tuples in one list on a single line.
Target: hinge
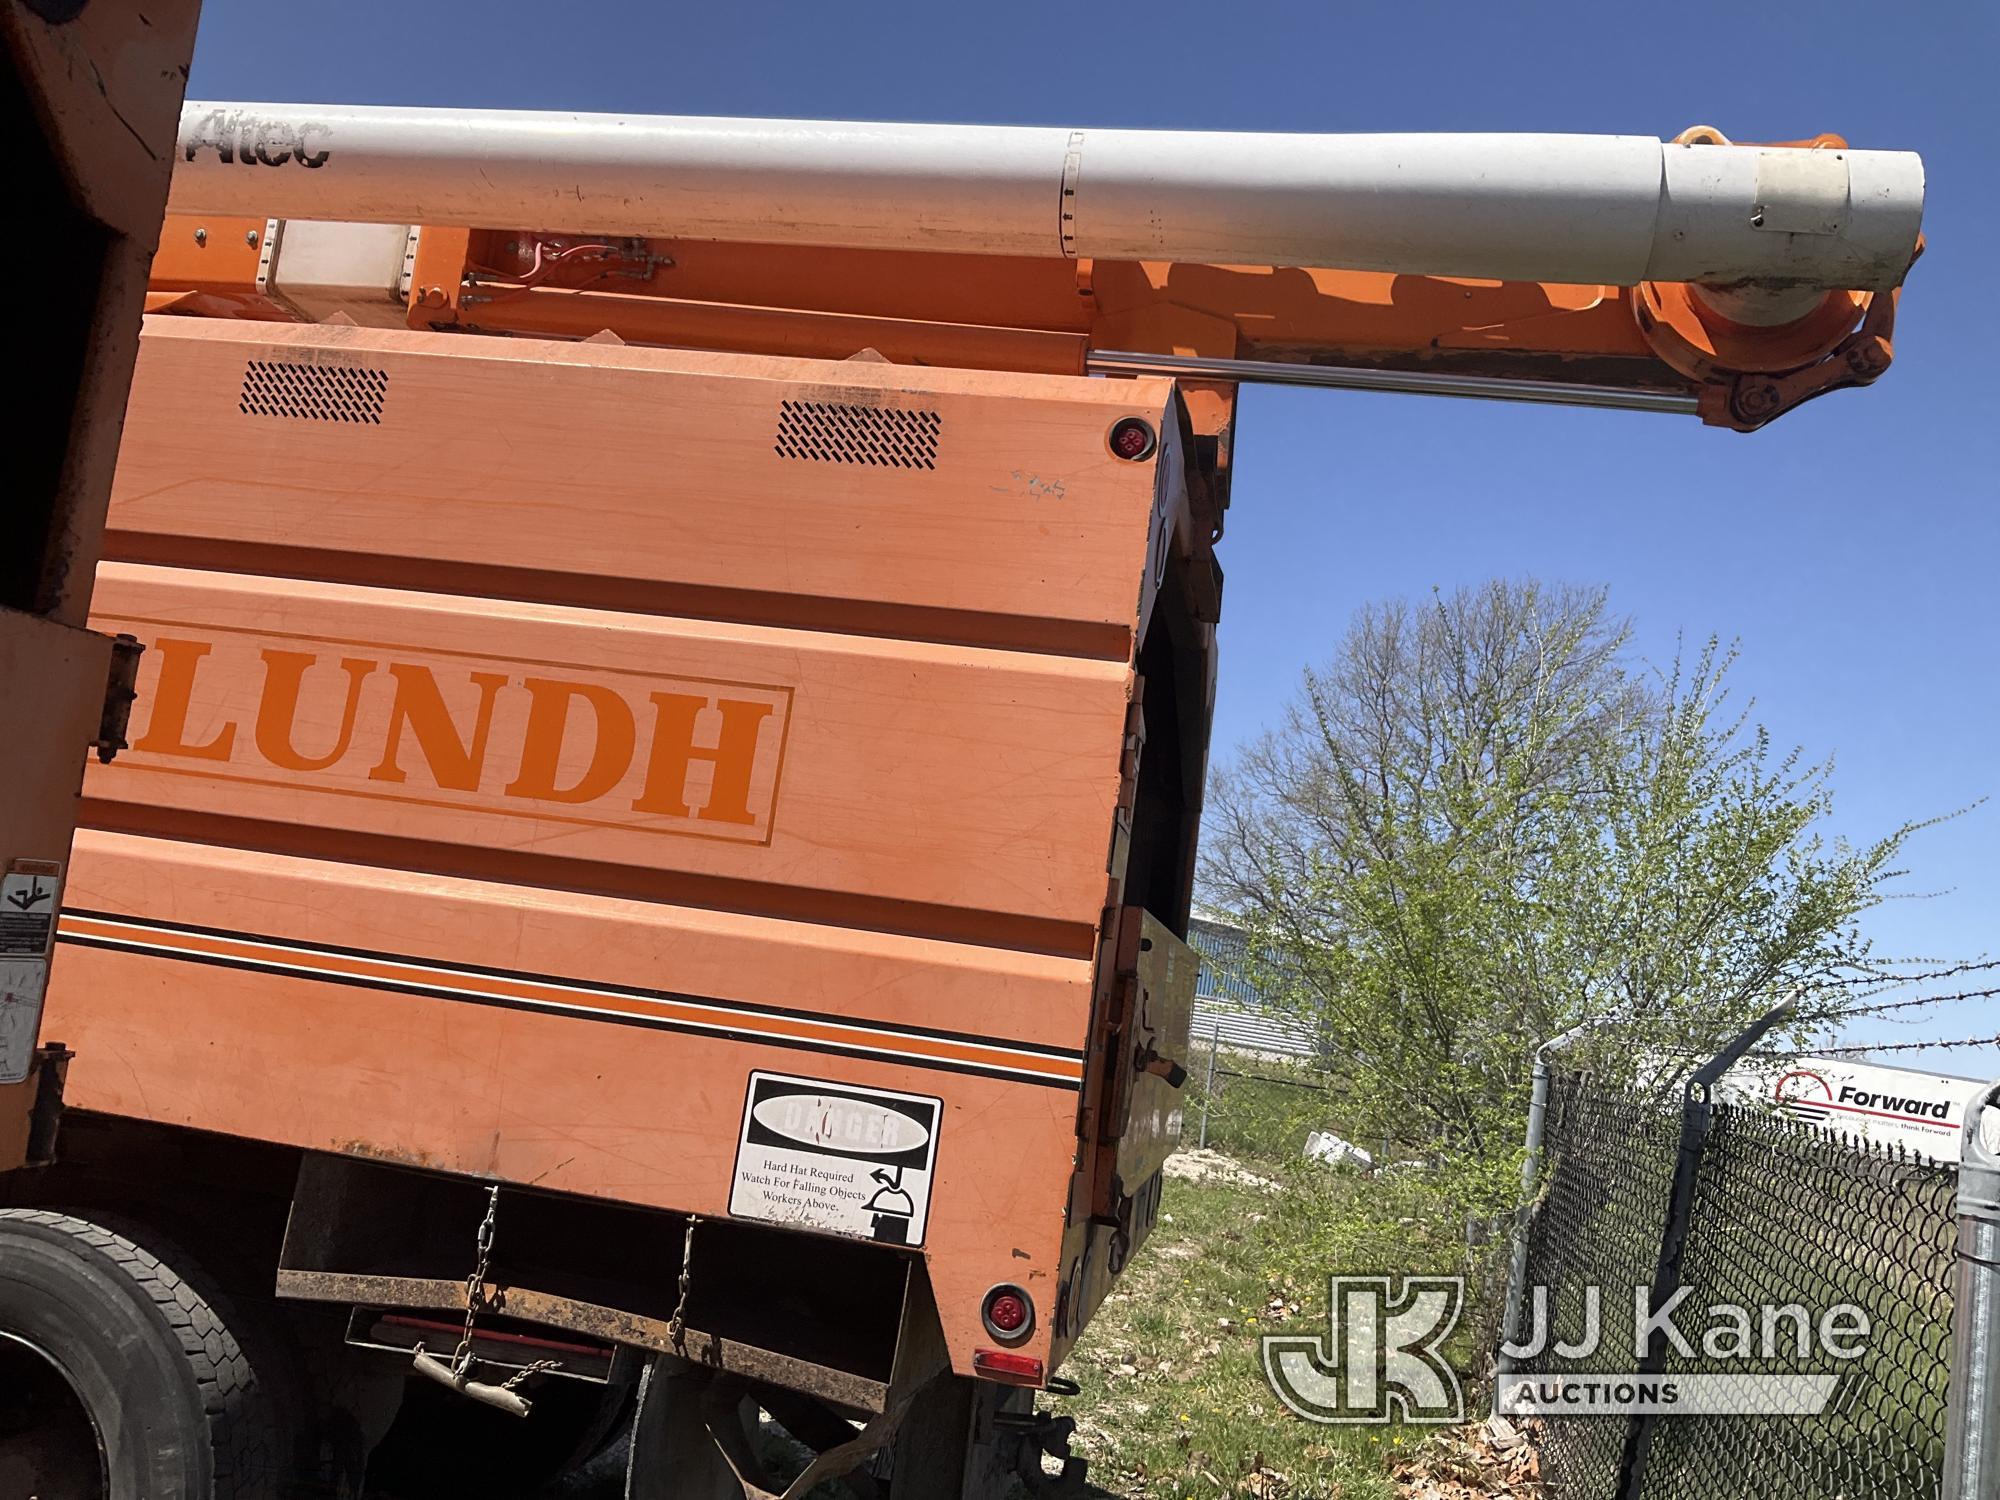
[(120, 689), (1120, 1013), (409, 273), (1134, 746), (1131, 749), (267, 255)]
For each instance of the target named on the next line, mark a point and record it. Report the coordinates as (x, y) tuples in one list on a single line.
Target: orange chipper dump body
[(659, 816), (682, 779)]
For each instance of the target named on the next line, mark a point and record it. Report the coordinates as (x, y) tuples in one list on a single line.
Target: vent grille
[(828, 432), (313, 393)]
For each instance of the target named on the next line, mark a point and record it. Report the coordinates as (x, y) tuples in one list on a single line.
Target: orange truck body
[(541, 748), (91, 102)]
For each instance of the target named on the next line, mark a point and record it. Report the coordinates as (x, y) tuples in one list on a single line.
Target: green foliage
[(1482, 825)]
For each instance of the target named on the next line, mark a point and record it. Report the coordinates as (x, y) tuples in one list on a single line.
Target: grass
[(1174, 1402), (1174, 1399), (1175, 1405)]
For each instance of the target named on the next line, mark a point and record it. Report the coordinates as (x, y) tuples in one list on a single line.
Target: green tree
[(1482, 823)]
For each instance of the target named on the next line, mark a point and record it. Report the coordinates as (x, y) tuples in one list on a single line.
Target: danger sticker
[(30, 893), (23, 982), (832, 1156)]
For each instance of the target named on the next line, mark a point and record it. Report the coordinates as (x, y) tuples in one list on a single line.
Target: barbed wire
[(1886, 972), (1892, 1005), (1903, 1047)]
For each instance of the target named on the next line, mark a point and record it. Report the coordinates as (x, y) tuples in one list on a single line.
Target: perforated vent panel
[(313, 393), (891, 437)]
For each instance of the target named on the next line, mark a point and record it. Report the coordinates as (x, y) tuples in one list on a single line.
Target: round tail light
[(1132, 438), (1009, 1314)]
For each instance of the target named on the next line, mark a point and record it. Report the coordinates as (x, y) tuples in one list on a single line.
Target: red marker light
[(1012, 1369), (1132, 438), (1006, 1313), (1009, 1313)]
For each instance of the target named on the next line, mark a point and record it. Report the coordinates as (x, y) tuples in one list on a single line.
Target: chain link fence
[(1262, 1108), (1255, 1106), (1788, 1215), (1746, 1209), (1612, 1156)]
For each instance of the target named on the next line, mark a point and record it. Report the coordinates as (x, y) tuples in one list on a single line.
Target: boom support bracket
[(1746, 402)]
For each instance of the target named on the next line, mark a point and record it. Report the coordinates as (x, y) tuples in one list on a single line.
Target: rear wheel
[(49, 1446), (118, 1379)]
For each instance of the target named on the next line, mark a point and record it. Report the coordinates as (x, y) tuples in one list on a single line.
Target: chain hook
[(677, 1325)]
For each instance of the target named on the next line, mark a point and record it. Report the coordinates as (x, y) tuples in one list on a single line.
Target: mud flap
[(672, 1455), (974, 1440), (691, 1441)]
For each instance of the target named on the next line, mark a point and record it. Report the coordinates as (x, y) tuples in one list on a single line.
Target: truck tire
[(174, 1406)]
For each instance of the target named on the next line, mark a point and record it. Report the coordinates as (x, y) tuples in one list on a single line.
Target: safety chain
[(539, 1367), (458, 1372), (475, 1284), (677, 1325)]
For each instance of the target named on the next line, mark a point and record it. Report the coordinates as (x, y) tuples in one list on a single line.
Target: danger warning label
[(836, 1157), (29, 896)]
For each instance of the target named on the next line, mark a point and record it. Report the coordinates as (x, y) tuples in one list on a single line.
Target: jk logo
[(1380, 1359)]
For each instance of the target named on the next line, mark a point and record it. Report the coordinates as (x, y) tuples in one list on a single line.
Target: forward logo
[(546, 741), (1810, 1096)]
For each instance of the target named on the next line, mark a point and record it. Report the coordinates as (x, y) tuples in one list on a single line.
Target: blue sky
[(1853, 547)]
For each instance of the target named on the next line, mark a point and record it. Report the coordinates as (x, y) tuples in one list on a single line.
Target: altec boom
[(1683, 275), (1628, 208)]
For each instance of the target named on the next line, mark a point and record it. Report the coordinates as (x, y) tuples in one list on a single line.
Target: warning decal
[(837, 1157), (28, 902), (22, 984)]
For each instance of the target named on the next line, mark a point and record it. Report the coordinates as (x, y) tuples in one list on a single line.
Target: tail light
[(1132, 438), (1009, 1313)]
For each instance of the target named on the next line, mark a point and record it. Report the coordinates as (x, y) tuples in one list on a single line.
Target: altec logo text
[(541, 740)]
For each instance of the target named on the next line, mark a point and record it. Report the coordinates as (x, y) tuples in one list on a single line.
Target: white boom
[(1612, 210)]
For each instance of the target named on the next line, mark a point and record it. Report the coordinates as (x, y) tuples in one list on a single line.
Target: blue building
[(1228, 1010)]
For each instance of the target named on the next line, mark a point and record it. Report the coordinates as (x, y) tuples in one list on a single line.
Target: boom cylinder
[(1610, 210)]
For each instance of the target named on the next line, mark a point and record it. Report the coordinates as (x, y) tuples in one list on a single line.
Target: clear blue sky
[(1853, 547)]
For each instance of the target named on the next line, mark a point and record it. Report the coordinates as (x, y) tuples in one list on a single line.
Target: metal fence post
[(1972, 1421), (1531, 1166), (1697, 1113), (1208, 1087), (1517, 1270)]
